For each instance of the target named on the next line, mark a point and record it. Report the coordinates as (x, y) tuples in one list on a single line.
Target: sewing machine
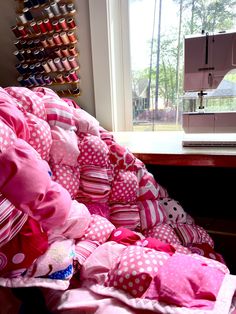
[(207, 59)]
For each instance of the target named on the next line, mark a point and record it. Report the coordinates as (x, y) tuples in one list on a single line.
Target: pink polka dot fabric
[(28, 100), (124, 236), (136, 269), (99, 229), (68, 177), (7, 136), (124, 188), (163, 232), (40, 135), (93, 151)]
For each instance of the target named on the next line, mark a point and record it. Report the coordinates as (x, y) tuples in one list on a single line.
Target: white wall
[(8, 74)]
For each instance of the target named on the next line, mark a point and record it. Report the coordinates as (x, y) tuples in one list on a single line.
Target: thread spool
[(71, 23), (65, 52), (39, 79), (66, 64), (58, 64), (42, 27), (55, 8), (67, 78), (46, 67), (73, 62), (64, 38), (75, 91), (36, 54), (30, 44), (27, 14), (24, 43), (19, 55), (47, 80), (19, 68), (70, 8), (28, 4), (22, 31), (41, 2), (17, 43), (57, 39), (42, 53), (36, 42), (48, 11), (71, 36), (59, 78), (33, 80), (32, 68), (44, 42), (58, 52), (21, 81), (35, 27), (35, 3), (38, 67), (56, 26), (29, 54), (27, 82), (63, 25), (22, 19), (63, 8), (25, 68), (16, 31), (51, 41), (72, 50), (73, 76), (52, 65), (48, 25)]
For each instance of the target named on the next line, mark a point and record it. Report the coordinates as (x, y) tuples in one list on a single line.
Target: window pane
[(157, 30)]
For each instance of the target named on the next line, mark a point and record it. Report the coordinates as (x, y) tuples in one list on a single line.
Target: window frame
[(110, 42)]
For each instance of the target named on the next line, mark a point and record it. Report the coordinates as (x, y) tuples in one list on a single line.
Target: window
[(146, 91)]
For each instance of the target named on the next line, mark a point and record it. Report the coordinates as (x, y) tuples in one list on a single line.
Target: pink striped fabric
[(126, 216), (85, 123), (151, 214), (11, 220), (148, 187), (83, 249), (192, 234), (94, 183)]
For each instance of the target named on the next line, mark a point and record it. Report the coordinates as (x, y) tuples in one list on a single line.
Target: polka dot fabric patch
[(7, 136), (124, 188), (99, 229), (40, 135), (163, 232), (66, 176), (136, 269), (93, 151)]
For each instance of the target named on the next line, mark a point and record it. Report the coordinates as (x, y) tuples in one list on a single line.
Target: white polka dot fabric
[(99, 229), (40, 135), (136, 269), (7, 136), (163, 232)]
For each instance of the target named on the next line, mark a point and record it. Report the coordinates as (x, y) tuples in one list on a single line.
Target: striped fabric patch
[(59, 113), (83, 249), (148, 187), (94, 183), (126, 216), (11, 220), (151, 214)]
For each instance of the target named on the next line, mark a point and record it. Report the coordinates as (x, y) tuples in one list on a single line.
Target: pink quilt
[(83, 220)]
